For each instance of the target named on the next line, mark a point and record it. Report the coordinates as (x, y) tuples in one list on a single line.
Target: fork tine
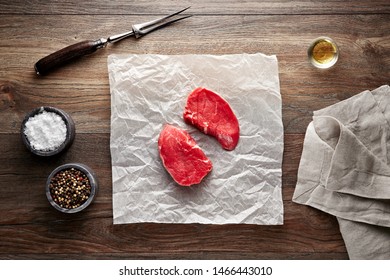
[(143, 31), (146, 27)]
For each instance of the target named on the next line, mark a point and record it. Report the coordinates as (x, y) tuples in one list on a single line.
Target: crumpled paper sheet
[(345, 171), (244, 186)]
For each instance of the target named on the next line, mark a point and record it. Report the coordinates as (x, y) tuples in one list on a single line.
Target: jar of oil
[(323, 52)]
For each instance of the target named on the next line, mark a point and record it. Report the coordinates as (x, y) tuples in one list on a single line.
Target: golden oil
[(323, 52)]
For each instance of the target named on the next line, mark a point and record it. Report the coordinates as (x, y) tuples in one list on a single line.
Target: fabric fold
[(344, 170), (354, 168)]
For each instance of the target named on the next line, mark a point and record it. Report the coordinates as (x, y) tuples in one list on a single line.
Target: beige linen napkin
[(344, 170)]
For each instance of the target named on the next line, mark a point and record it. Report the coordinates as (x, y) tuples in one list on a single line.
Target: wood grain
[(86, 82), (204, 7), (31, 229)]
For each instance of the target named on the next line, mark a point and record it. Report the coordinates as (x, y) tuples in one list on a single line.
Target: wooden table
[(31, 229)]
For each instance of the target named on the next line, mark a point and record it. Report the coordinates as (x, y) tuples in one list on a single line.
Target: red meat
[(182, 157), (211, 114)]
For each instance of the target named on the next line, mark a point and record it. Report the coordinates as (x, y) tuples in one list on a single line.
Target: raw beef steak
[(212, 114), (182, 157)]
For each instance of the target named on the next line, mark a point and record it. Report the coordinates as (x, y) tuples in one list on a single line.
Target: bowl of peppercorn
[(47, 131), (71, 187)]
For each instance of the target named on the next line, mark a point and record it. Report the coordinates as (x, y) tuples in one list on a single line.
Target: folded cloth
[(344, 170)]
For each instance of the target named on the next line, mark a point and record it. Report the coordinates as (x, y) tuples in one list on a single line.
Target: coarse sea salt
[(45, 131)]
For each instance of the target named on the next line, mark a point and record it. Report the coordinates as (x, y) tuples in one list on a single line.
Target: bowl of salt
[(47, 131)]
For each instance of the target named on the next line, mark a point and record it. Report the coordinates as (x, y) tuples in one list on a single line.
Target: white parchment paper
[(244, 186)]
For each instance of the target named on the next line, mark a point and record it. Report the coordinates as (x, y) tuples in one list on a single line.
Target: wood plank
[(30, 228), (85, 82), (20, 168), (203, 7), (305, 231), (180, 256)]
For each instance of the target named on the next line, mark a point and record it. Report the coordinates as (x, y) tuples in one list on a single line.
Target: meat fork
[(65, 55)]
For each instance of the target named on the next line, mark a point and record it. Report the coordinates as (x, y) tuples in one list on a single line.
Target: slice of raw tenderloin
[(211, 114), (182, 157)]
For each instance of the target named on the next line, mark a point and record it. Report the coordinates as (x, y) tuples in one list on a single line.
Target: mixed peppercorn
[(70, 188)]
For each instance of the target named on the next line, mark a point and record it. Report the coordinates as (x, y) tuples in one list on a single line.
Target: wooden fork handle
[(67, 54)]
